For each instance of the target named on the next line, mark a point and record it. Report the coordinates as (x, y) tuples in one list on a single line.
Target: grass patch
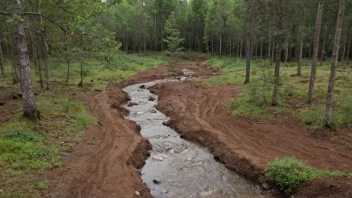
[(288, 173), (28, 148), (293, 90)]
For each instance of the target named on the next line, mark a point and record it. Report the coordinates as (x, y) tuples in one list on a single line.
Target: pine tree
[(173, 39)]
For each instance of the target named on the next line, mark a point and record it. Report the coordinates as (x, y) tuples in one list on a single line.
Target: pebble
[(151, 98), (153, 111), (158, 158), (156, 181), (164, 192), (266, 186), (137, 193)]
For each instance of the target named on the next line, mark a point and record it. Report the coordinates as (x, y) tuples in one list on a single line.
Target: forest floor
[(103, 156)]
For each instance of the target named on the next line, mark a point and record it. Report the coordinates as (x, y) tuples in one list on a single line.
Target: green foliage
[(313, 116), (288, 173), (173, 39), (244, 105), (19, 134), (26, 156), (43, 185)]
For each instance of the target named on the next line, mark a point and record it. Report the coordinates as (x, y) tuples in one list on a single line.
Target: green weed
[(288, 173), (43, 185)]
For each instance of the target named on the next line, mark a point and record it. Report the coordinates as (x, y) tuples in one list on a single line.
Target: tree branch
[(47, 18)]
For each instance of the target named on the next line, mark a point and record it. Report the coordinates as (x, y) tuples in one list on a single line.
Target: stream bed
[(176, 167)]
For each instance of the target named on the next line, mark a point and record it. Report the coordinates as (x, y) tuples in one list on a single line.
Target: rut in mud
[(178, 168)]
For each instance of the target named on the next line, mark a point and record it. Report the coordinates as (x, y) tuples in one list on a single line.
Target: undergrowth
[(256, 99), (289, 173)]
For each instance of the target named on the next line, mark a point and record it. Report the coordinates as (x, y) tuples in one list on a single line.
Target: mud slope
[(105, 163), (243, 144), (107, 159)]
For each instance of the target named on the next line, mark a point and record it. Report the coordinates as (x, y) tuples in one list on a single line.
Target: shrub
[(313, 116), (288, 173)]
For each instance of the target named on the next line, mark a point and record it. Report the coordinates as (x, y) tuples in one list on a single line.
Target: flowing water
[(178, 168)]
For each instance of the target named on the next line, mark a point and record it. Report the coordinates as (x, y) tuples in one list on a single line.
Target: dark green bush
[(288, 173)]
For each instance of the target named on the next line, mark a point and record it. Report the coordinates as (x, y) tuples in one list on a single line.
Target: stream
[(176, 167)]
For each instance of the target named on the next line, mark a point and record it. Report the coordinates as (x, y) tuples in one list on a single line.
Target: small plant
[(43, 185), (288, 173), (313, 116)]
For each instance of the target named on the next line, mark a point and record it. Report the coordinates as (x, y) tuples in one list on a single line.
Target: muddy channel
[(176, 167)]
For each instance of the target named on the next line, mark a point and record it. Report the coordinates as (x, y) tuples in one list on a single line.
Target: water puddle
[(178, 168)]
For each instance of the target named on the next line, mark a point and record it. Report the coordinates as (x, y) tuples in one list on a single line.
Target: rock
[(131, 104), (153, 111), (158, 158), (164, 192), (156, 181), (206, 194), (266, 186), (137, 193), (142, 87), (151, 98)]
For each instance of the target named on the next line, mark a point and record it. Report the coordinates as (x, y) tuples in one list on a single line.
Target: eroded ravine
[(176, 167)]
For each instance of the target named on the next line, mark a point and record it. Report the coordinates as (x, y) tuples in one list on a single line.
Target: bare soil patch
[(244, 144)]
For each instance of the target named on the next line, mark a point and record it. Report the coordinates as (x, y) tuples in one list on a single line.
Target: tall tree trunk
[(238, 46), (241, 47), (261, 50), (344, 46), (220, 46), (301, 37), (67, 58), (15, 78), (248, 42), (315, 51), (29, 105), (335, 55), (322, 54), (212, 42), (275, 100), (348, 51), (81, 74), (45, 50), (287, 46), (278, 51), (269, 46), (155, 29), (2, 67), (230, 48)]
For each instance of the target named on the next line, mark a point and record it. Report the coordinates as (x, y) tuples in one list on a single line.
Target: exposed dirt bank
[(107, 159), (245, 145), (106, 163)]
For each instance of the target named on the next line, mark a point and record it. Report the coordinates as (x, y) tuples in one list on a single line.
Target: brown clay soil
[(107, 161), (108, 158), (245, 144), (109, 166)]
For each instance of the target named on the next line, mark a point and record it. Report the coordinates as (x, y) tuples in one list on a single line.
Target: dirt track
[(243, 144)]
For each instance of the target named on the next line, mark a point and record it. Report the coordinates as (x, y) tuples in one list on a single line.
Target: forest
[(267, 93)]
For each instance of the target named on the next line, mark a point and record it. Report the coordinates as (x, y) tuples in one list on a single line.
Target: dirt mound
[(326, 188), (163, 72), (243, 144), (106, 163)]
